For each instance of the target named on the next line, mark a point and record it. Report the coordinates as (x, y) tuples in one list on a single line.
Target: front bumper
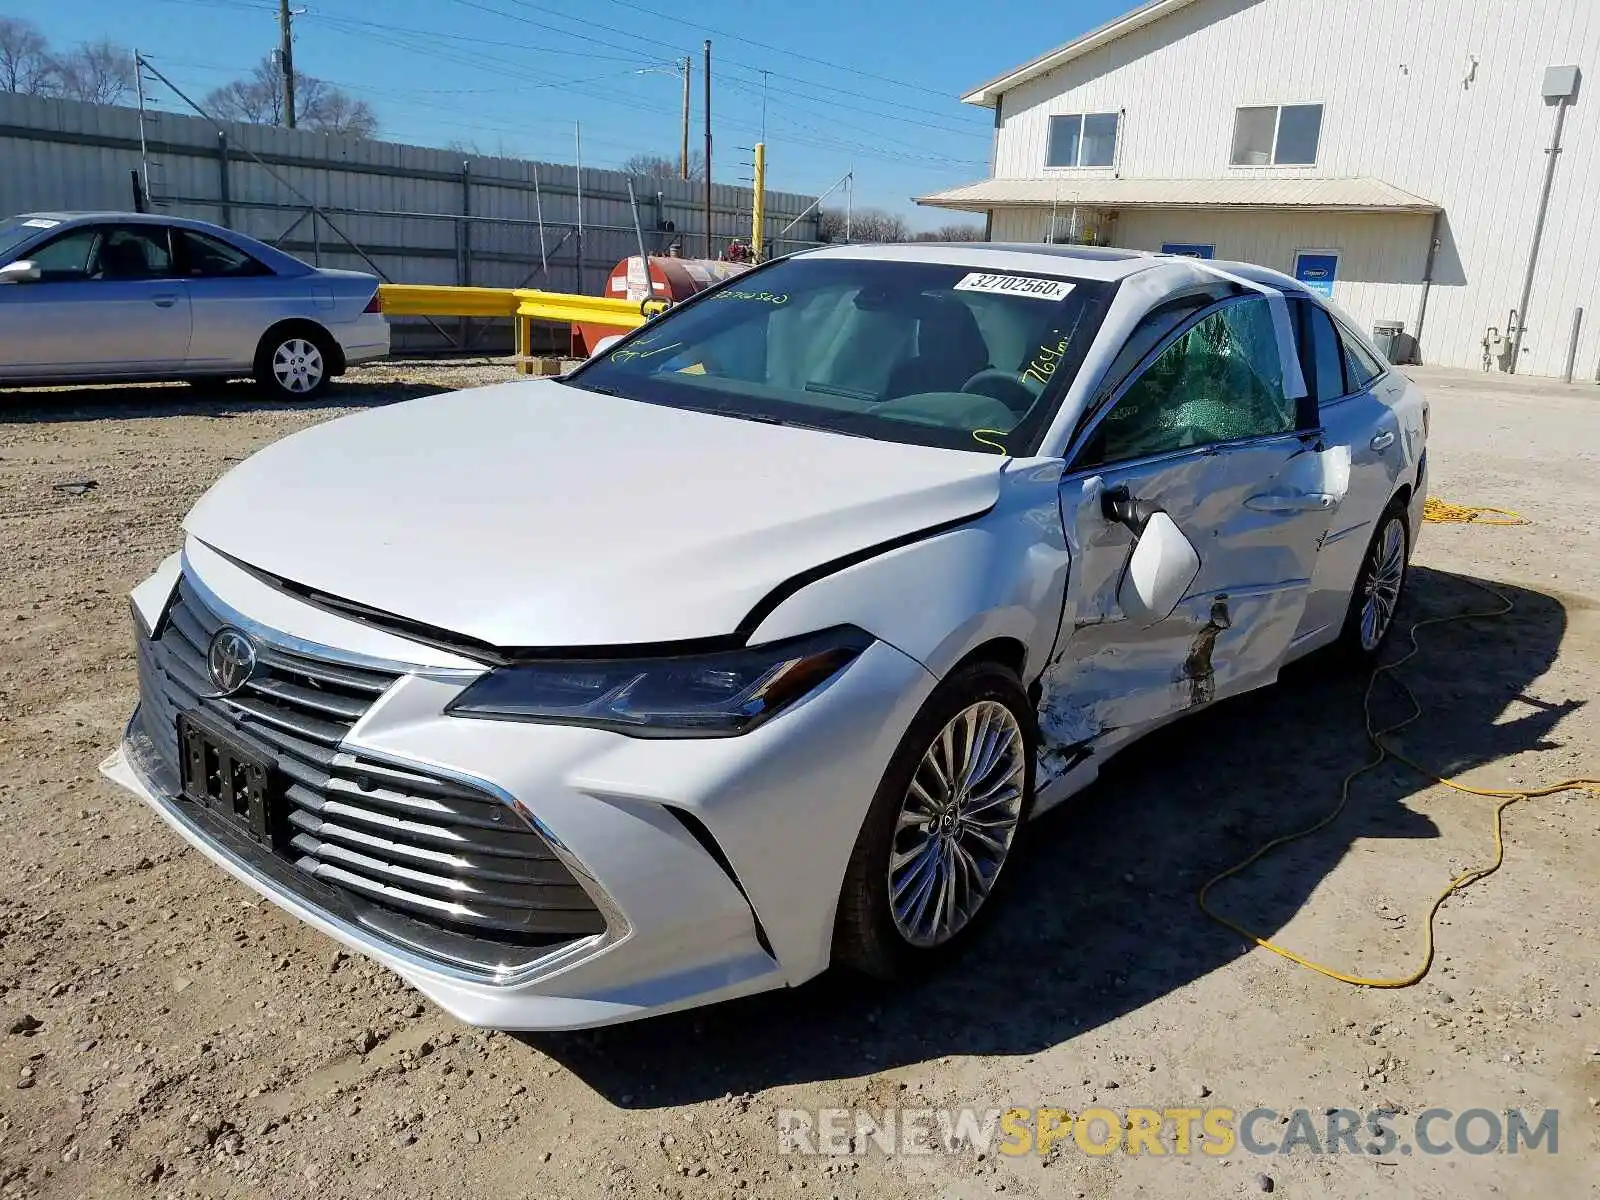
[(780, 808)]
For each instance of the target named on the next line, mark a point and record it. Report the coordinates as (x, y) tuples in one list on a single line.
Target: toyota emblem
[(231, 660)]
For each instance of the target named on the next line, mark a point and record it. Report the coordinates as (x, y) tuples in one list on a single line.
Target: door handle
[(1291, 502), (163, 301), (1382, 441)]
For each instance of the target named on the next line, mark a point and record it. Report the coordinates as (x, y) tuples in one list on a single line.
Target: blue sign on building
[(1317, 270)]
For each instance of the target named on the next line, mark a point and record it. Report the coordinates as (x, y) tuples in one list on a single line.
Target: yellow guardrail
[(431, 300), (564, 307), (428, 300), (523, 305)]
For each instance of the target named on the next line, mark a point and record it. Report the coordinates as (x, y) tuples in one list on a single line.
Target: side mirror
[(21, 271), (1162, 568)]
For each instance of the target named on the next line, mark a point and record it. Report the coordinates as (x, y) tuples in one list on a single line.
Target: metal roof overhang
[(1356, 194)]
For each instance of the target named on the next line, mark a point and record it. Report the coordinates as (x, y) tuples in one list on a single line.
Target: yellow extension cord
[(1439, 511)]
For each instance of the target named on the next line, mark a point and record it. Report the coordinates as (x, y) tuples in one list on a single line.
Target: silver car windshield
[(920, 352)]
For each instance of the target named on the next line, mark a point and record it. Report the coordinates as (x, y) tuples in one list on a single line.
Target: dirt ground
[(173, 1036)]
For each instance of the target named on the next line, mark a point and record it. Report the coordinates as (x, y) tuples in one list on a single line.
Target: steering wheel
[(1004, 386)]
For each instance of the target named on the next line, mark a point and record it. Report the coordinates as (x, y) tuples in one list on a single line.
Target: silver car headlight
[(711, 695)]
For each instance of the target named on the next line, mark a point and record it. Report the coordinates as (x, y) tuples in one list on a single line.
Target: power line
[(633, 54), (476, 60), (786, 52), (243, 5), (832, 88), (921, 151), (355, 23), (498, 12), (423, 42), (882, 116), (916, 156)]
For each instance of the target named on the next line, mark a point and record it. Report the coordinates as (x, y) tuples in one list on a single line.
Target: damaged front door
[(1205, 435)]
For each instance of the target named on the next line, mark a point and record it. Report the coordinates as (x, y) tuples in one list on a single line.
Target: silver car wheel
[(1386, 572), (956, 823), (297, 366)]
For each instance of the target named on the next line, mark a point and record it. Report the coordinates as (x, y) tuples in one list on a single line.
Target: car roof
[(130, 218), (282, 263), (1110, 263), (1083, 262)]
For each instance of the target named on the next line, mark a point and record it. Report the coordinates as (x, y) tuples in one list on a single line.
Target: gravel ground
[(170, 1035)]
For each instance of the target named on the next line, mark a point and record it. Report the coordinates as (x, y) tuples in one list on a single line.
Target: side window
[(67, 257), (1220, 381), (1360, 366), (1149, 333), (1321, 353), (211, 258), (132, 252)]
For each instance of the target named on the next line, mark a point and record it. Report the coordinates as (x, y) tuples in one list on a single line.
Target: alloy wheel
[(297, 366), (1386, 572), (956, 823)]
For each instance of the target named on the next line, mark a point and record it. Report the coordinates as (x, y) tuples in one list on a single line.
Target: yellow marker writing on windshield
[(978, 435)]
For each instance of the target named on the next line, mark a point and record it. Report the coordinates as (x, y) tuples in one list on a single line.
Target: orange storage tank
[(658, 277)]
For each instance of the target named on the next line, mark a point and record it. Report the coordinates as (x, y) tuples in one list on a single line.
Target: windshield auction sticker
[(1016, 285)]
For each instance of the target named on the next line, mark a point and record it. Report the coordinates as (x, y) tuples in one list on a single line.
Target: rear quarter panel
[(230, 315)]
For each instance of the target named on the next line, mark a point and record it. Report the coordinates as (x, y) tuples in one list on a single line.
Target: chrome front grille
[(440, 852)]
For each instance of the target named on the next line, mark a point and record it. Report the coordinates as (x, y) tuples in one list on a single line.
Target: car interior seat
[(949, 350), (123, 258)]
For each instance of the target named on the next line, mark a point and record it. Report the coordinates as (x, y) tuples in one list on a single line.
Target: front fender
[(1003, 575)]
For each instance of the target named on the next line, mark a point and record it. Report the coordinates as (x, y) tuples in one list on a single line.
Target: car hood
[(537, 514)]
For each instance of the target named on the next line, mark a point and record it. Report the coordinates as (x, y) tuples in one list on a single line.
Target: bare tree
[(659, 166), (96, 72), (25, 62), (500, 149), (319, 106), (865, 225), (330, 109), (950, 233)]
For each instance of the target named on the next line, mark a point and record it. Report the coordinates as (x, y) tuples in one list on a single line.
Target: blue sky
[(863, 85)]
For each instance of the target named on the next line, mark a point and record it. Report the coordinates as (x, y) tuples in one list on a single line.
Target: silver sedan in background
[(103, 297)]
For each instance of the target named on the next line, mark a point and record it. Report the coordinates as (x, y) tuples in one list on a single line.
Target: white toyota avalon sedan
[(751, 645)]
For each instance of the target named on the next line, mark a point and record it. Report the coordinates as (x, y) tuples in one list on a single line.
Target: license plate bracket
[(222, 775)]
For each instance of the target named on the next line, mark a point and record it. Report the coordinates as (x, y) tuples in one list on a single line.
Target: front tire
[(1379, 586), (295, 363), (944, 822)]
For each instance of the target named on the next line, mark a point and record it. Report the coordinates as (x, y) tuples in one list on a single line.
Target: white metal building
[(1393, 150)]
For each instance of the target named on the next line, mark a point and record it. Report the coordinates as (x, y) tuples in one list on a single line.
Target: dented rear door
[(1247, 508)]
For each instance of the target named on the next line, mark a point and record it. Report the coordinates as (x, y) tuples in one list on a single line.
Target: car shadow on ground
[(1101, 918), (133, 402)]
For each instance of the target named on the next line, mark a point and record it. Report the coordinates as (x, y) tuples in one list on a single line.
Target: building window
[(1276, 135), (1083, 140)]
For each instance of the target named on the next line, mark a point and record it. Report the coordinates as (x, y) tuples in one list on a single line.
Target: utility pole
[(683, 155), (709, 252), (758, 208), (577, 139), (286, 59)]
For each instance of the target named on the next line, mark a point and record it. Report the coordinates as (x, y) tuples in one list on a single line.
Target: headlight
[(711, 695)]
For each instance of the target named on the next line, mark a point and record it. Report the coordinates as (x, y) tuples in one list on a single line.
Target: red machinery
[(656, 278)]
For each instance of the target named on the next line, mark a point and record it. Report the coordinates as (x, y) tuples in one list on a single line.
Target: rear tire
[(294, 362), (1379, 587), (928, 865)]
